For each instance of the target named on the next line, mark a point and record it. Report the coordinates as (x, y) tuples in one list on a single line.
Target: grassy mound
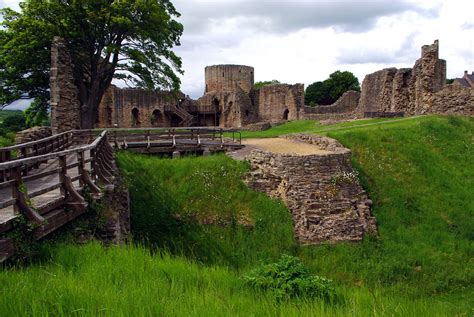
[(199, 207), (418, 171)]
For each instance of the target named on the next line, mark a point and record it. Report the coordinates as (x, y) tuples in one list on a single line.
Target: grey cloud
[(468, 26), (406, 52), (289, 16)]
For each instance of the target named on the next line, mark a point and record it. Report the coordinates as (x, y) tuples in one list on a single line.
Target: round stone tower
[(226, 78)]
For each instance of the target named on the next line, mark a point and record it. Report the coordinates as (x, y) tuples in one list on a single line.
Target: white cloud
[(306, 40)]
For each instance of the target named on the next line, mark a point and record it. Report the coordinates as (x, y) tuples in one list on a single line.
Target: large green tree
[(329, 91), (131, 40)]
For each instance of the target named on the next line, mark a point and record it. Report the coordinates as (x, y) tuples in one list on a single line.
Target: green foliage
[(289, 278), (330, 90), (15, 121), (135, 37), (199, 206), (450, 81), (37, 113), (260, 84)]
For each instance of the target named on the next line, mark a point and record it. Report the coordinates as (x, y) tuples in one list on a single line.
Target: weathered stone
[(65, 105), (346, 104), (418, 90), (280, 102), (321, 191), (32, 134)]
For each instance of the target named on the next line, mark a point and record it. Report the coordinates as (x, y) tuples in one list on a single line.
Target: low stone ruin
[(32, 134), (322, 191)]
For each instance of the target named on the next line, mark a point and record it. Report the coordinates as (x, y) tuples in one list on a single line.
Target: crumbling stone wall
[(454, 99), (322, 191), (347, 103), (131, 107), (32, 134), (280, 102), (65, 105), (410, 90)]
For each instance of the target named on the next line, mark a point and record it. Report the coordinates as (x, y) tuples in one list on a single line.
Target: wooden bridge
[(44, 181)]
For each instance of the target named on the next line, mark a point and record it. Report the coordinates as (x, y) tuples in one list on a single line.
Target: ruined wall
[(280, 102), (408, 90), (226, 78), (321, 191), (347, 103), (130, 107), (454, 99), (232, 109), (32, 134), (65, 106)]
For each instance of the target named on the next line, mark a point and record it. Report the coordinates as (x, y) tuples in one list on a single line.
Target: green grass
[(418, 171), (172, 198), (311, 126), (92, 280)]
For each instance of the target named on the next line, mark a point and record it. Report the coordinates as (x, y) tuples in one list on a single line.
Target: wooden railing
[(60, 180), (48, 188), (47, 145)]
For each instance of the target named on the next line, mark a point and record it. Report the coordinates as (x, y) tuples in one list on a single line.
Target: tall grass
[(199, 207), (91, 280), (419, 173), (421, 178)]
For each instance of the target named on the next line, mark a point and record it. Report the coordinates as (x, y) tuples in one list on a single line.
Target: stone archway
[(135, 117), (156, 118), (285, 114), (217, 111)]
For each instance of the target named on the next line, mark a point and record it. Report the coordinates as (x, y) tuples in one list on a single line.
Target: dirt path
[(277, 145)]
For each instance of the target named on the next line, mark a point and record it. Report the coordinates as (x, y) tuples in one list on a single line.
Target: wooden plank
[(7, 248), (7, 203), (41, 175), (56, 220), (44, 190)]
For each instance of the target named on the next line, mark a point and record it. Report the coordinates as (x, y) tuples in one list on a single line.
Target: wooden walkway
[(44, 180)]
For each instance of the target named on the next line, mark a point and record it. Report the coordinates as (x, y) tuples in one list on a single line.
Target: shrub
[(289, 278)]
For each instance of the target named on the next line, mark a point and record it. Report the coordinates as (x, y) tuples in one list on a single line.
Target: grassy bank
[(172, 199), (418, 171), (91, 280)]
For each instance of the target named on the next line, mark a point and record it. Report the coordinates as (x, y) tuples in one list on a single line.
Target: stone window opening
[(285, 114), (135, 117), (217, 114), (108, 111), (247, 113), (156, 117)]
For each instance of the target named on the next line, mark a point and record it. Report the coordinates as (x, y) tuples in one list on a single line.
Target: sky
[(303, 41)]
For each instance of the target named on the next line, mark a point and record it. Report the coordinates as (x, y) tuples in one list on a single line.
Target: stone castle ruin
[(230, 99)]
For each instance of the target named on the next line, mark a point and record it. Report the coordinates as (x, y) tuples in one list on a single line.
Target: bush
[(289, 278), (14, 122)]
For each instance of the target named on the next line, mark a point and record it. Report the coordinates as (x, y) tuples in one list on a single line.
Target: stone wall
[(410, 90), (65, 105), (32, 134), (280, 102), (347, 103), (226, 78), (130, 107), (454, 99), (321, 191)]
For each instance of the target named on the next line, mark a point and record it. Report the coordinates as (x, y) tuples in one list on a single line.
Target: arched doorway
[(135, 117), (156, 118), (285, 114), (108, 113), (217, 111)]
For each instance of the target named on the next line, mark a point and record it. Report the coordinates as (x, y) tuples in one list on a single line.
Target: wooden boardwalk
[(43, 181)]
